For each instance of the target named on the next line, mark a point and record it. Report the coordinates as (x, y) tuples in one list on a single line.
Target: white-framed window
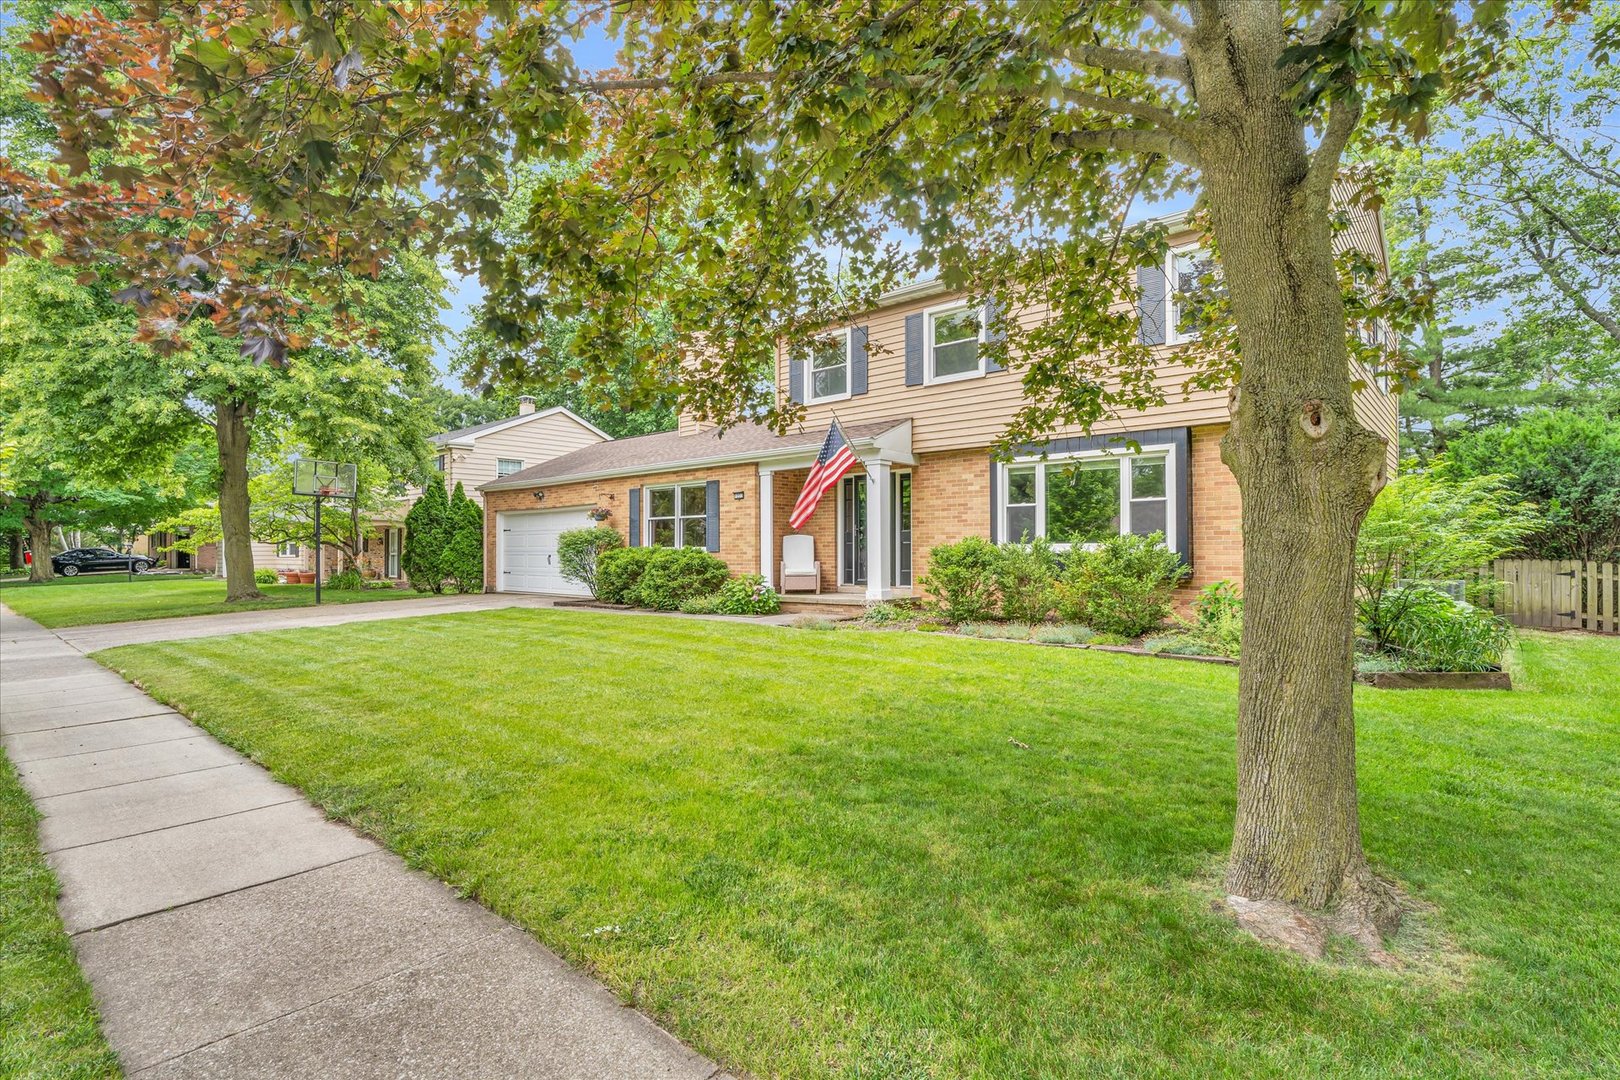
[(828, 368), (438, 462), (507, 466), (953, 334), (287, 551), (678, 516), (1083, 499), (1191, 274)]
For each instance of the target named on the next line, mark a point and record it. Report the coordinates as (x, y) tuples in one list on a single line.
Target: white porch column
[(767, 530), (879, 514)]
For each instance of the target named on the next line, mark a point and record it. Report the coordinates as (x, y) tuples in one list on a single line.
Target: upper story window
[(507, 466), (1083, 500), (829, 367), (954, 334), (678, 515), (1192, 279), (439, 462), (287, 551)]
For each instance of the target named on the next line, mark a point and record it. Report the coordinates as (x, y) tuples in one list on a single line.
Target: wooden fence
[(1559, 594)]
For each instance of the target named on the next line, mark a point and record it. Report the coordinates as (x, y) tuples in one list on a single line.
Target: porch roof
[(667, 451)]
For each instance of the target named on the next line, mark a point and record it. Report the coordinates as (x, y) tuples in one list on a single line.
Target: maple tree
[(753, 170)]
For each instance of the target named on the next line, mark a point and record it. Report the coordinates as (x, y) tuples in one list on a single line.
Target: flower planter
[(306, 577), (1437, 680)]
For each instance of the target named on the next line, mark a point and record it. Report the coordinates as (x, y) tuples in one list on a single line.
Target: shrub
[(885, 613), (962, 579), (264, 576), (346, 581), (1122, 588), (1429, 631), (1217, 625), (1064, 634), (672, 575), (702, 605), (1026, 577), (748, 595), (618, 571), (427, 531), (578, 550), (463, 556)]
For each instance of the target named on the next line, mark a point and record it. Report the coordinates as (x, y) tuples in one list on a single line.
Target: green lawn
[(820, 854), (47, 1019), (81, 601)]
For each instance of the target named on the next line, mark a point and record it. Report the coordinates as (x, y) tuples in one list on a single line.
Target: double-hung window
[(287, 551), (438, 462), (507, 466), (954, 334), (678, 516), (1192, 280), (829, 367), (1087, 499)]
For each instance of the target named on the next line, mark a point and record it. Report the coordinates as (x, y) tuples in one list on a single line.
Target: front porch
[(861, 529)]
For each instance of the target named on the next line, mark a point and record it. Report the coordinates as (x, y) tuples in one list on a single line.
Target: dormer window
[(829, 367), (954, 333), (1192, 279)]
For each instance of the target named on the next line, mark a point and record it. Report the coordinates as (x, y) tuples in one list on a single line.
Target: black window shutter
[(796, 381), (995, 517), (711, 507), (992, 332), (857, 360), (635, 517), (914, 349), (1150, 308)]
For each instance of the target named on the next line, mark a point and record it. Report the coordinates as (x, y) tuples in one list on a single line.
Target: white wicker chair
[(800, 570)]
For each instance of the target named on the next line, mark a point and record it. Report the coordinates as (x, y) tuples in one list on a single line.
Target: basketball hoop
[(323, 480)]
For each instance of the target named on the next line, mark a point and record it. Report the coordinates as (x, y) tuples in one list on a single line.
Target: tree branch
[(1549, 266), (1143, 62), (1131, 140), (1324, 168), (1153, 114), (1161, 14)]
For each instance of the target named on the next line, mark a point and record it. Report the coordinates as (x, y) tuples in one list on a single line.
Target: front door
[(852, 542)]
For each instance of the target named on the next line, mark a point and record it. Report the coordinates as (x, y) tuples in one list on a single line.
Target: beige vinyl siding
[(974, 412), (532, 442)]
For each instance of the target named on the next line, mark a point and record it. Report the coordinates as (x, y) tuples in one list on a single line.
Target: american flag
[(835, 459)]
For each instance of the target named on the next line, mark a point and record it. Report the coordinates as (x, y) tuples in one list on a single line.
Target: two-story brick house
[(911, 386)]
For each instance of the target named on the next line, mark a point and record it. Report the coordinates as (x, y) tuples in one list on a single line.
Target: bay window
[(1083, 500), (677, 516)]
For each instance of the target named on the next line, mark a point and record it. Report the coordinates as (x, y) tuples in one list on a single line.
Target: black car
[(75, 561)]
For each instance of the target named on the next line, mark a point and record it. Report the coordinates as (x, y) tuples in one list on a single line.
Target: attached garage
[(526, 551)]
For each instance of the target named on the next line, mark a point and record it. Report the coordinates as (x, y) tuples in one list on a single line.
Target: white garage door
[(527, 551)]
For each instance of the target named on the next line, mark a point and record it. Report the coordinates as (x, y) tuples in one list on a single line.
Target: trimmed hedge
[(658, 578), (579, 549)]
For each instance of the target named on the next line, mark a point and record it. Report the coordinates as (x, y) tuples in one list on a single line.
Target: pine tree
[(464, 546), (427, 533)]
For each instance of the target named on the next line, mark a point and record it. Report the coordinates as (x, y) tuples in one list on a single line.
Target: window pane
[(1082, 502), (829, 382), (1147, 478), (956, 325), (1021, 485), (693, 531), (692, 501), (1197, 282), (1020, 523), (663, 534), (1147, 516), (661, 502), (828, 353), (957, 358)]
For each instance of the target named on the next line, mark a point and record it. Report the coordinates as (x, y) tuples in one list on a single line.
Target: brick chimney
[(525, 405)]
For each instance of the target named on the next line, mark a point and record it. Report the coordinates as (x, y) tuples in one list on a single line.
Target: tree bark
[(236, 535), (39, 544), (1307, 471)]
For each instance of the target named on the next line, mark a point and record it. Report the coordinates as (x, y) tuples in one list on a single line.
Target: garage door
[(527, 551)]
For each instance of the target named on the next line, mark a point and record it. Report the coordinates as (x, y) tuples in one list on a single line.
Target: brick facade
[(950, 501), (739, 518)]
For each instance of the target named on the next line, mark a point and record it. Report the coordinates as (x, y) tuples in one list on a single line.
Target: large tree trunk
[(39, 544), (1307, 471), (236, 536)]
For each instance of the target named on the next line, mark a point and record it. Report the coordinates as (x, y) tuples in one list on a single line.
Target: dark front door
[(852, 544), (901, 563)]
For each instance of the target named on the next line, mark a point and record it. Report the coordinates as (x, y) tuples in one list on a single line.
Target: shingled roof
[(669, 450)]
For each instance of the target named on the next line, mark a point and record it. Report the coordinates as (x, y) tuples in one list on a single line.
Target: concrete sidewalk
[(229, 929)]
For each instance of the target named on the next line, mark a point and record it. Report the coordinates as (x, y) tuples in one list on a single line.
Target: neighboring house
[(915, 395)]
